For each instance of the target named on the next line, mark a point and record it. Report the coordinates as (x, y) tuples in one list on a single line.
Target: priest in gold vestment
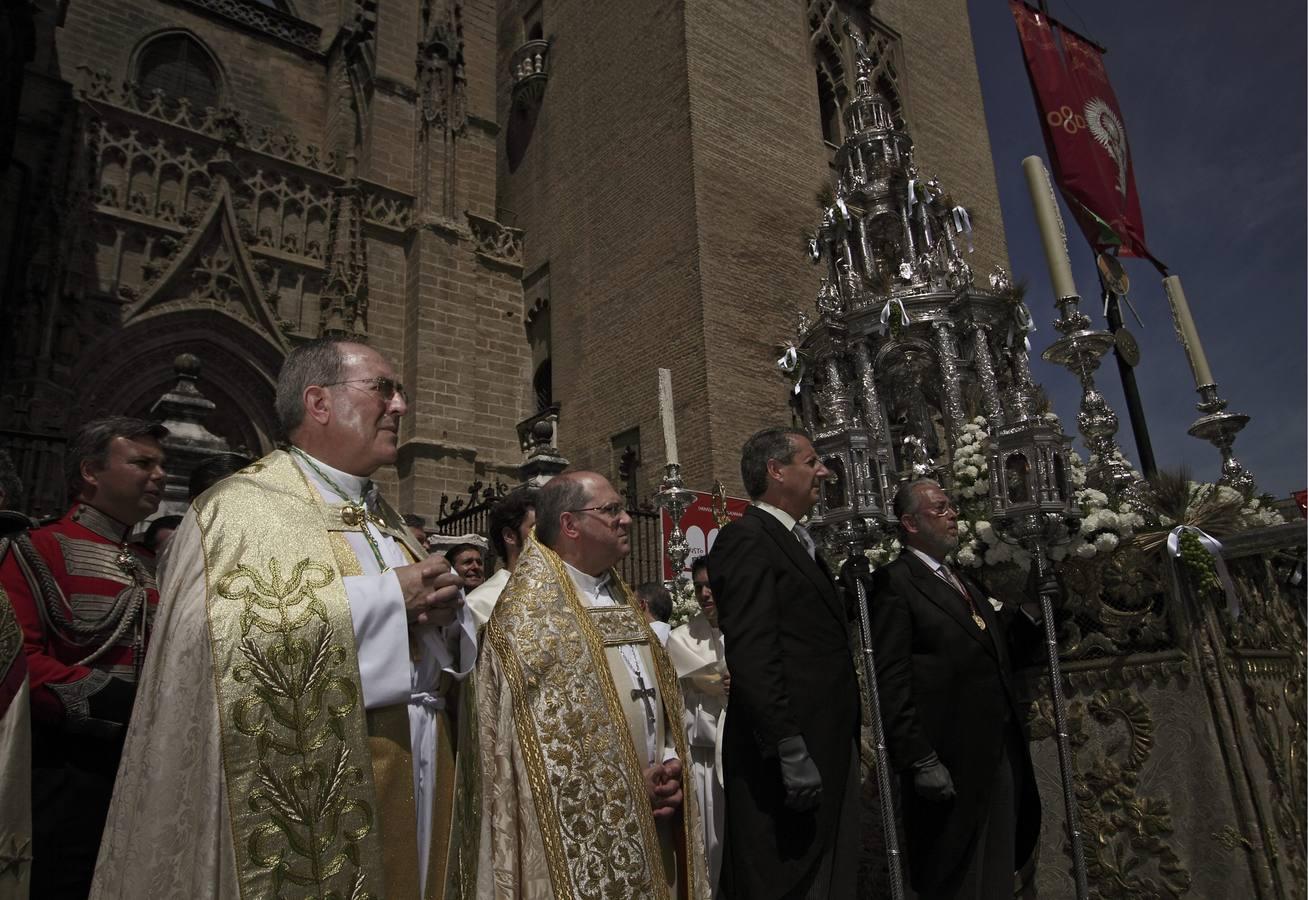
[(292, 735), (579, 717)]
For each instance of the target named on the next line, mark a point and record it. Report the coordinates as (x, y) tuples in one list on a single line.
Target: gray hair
[(765, 446), (906, 499), (318, 362), (92, 443), (562, 493)]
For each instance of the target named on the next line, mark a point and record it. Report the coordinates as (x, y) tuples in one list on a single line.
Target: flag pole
[(1130, 391)]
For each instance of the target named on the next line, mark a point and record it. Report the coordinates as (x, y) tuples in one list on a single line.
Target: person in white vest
[(699, 655), (511, 522)]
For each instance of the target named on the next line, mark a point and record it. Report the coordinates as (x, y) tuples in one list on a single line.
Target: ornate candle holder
[(1219, 428), (1032, 505), (676, 499), (1079, 350)]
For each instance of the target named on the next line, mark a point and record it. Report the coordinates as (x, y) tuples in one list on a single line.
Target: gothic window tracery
[(178, 66), (833, 60)]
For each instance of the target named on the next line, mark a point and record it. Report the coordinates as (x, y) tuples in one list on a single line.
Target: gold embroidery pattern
[(616, 625), (298, 703), (299, 782), (465, 827), (587, 789), (11, 635)]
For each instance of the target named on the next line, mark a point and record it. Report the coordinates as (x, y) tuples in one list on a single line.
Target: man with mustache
[(85, 601), (580, 721), (790, 742), (294, 726), (945, 657)]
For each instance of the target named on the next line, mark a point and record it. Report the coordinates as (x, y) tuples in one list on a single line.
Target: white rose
[(973, 471), (1106, 542), (982, 488), (1085, 551)]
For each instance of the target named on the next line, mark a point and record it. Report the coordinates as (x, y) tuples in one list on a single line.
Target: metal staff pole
[(1047, 586), (872, 709)]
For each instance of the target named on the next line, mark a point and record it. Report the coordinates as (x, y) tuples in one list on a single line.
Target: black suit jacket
[(946, 687), (787, 645)]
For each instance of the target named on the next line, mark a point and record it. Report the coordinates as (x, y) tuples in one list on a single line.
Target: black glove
[(799, 774), (113, 702), (854, 569), (856, 565), (931, 780)]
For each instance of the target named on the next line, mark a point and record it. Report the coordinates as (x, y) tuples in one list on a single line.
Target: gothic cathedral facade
[(529, 206)]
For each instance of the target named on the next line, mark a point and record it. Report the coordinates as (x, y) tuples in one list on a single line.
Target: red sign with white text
[(700, 527)]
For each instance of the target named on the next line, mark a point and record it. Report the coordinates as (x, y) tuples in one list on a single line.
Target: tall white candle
[(1052, 234), (665, 412), (1186, 332)]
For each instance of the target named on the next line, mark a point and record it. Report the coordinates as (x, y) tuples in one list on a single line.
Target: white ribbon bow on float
[(1021, 321), (963, 225), (790, 364), (1214, 548), (844, 210), (885, 313)]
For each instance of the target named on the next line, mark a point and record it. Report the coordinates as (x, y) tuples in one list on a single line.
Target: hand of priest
[(663, 785), (799, 774), (931, 780), (433, 593)]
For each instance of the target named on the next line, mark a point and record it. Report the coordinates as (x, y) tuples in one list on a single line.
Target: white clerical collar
[(590, 585), (786, 519), (932, 563), (353, 484)]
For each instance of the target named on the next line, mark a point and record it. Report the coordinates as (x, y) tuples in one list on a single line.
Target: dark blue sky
[(1213, 97)]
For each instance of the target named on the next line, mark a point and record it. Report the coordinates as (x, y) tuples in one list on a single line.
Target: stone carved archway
[(134, 367)]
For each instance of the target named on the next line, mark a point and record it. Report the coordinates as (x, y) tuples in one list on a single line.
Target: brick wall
[(672, 167)]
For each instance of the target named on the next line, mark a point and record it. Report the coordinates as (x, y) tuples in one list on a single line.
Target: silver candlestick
[(1219, 428), (676, 499), (1079, 350)]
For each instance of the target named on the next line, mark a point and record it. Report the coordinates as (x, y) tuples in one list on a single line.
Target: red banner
[(1084, 133), (700, 525)]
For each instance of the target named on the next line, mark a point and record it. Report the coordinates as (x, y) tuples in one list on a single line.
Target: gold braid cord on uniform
[(586, 781), (305, 814)]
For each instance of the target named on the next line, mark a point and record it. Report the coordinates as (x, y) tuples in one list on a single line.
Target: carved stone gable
[(212, 269)]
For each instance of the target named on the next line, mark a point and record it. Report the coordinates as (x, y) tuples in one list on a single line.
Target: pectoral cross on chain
[(645, 694)]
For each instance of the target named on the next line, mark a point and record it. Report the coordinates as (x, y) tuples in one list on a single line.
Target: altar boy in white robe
[(291, 726), (697, 651)]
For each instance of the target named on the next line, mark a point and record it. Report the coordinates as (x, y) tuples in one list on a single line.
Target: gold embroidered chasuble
[(564, 808), (316, 794)]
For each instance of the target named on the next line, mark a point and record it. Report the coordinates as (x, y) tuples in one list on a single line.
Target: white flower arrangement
[(971, 461), (1104, 527), (885, 551)]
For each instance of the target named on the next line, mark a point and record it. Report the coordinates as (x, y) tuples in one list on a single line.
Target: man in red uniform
[(85, 601)]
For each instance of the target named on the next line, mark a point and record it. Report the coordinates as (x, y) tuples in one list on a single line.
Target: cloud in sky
[(1213, 99)]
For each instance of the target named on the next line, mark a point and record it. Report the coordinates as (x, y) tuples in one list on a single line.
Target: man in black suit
[(790, 754), (944, 660)]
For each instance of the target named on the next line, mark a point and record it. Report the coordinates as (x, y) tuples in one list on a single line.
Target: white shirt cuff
[(381, 634), (452, 647)]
